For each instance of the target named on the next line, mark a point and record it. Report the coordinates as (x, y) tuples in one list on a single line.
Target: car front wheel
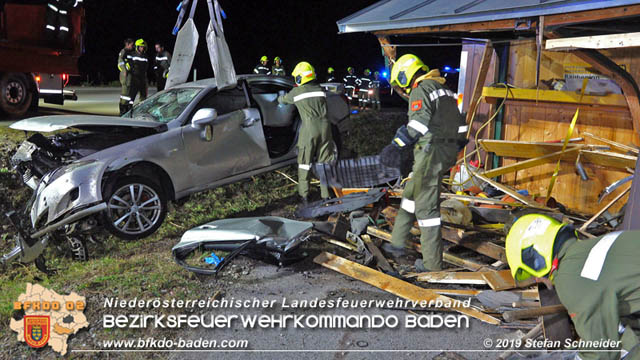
[(136, 207)]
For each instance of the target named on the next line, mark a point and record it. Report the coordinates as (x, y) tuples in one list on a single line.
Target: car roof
[(211, 82)]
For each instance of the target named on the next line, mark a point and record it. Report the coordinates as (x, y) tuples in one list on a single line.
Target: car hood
[(59, 122)]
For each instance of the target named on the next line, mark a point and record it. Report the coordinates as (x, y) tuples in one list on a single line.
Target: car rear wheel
[(136, 207), (15, 96)]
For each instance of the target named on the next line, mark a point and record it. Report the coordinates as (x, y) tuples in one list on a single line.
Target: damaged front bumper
[(63, 197)]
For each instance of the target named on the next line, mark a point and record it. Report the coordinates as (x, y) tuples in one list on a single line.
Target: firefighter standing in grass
[(364, 83), (263, 67), (277, 69), (350, 82), (436, 127), (139, 66), (597, 280), (315, 142), (124, 66), (374, 95)]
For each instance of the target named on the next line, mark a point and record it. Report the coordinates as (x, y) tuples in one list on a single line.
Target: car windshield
[(164, 106)]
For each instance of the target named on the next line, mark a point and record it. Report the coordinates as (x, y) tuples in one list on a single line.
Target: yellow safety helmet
[(349, 69), (529, 245), (141, 42), (277, 58), (264, 58), (367, 71), (330, 70), (303, 73), (404, 69)]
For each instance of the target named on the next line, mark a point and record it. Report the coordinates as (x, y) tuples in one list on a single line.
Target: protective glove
[(128, 66), (166, 74), (402, 138)]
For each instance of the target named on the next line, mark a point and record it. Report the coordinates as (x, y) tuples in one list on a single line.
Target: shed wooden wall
[(544, 121)]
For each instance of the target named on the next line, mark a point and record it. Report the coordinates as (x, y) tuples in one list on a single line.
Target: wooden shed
[(557, 56)]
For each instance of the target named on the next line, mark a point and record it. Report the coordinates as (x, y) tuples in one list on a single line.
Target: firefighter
[(57, 26), (315, 142), (139, 66), (262, 68), (374, 94), (277, 69), (350, 82), (124, 66), (364, 83), (435, 127), (597, 280), (161, 67), (330, 76)]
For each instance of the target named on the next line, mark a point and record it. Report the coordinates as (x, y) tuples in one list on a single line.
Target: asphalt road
[(91, 100)]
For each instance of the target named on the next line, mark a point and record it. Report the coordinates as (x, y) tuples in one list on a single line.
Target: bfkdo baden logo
[(36, 330), (49, 318)]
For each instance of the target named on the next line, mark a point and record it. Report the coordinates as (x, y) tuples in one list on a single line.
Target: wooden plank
[(609, 159), (480, 80), (523, 149), (340, 243), (594, 42), (486, 248), (556, 327), (614, 144), (553, 96), (448, 277), (395, 286), (499, 280), (513, 315), (568, 155), (381, 261)]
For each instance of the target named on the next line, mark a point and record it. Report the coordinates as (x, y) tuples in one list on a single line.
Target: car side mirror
[(203, 117)]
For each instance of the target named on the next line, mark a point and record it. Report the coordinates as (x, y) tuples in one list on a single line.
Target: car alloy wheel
[(135, 208)]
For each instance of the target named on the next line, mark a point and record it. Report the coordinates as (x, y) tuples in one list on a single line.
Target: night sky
[(295, 30)]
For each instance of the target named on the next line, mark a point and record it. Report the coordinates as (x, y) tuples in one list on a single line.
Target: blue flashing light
[(457, 69), (384, 74), (447, 68), (224, 15), (354, 111)]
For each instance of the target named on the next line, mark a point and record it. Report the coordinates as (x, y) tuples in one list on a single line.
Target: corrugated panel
[(399, 14)]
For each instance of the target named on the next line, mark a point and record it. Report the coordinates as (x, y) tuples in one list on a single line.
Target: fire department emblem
[(36, 332)]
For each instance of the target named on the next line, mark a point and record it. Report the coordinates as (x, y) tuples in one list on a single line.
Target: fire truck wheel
[(15, 95)]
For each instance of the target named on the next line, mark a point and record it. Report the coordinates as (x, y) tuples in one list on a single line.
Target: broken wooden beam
[(613, 144), (486, 248), (594, 42), (381, 261), (513, 315), (605, 208), (395, 286), (521, 149), (568, 155)]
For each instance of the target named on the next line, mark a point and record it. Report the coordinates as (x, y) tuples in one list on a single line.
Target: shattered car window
[(165, 106)]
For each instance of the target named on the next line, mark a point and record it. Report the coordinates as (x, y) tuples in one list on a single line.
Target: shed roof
[(400, 14)]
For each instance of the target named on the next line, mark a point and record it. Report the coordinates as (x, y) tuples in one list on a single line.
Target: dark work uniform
[(374, 96), (124, 65), (139, 66), (278, 70), (161, 68), (315, 142), (331, 78), (350, 82), (364, 83), (598, 281), (435, 119), (57, 26), (262, 69)]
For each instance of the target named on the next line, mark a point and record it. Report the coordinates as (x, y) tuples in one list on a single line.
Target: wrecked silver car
[(118, 173)]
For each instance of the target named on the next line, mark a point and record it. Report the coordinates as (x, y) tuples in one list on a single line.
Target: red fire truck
[(32, 67)]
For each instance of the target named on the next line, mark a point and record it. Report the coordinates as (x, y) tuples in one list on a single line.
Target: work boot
[(419, 265), (394, 251)]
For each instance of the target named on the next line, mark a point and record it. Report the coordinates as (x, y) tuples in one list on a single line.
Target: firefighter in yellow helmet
[(277, 69), (263, 66), (124, 66), (139, 65), (597, 280), (434, 130), (315, 142)]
